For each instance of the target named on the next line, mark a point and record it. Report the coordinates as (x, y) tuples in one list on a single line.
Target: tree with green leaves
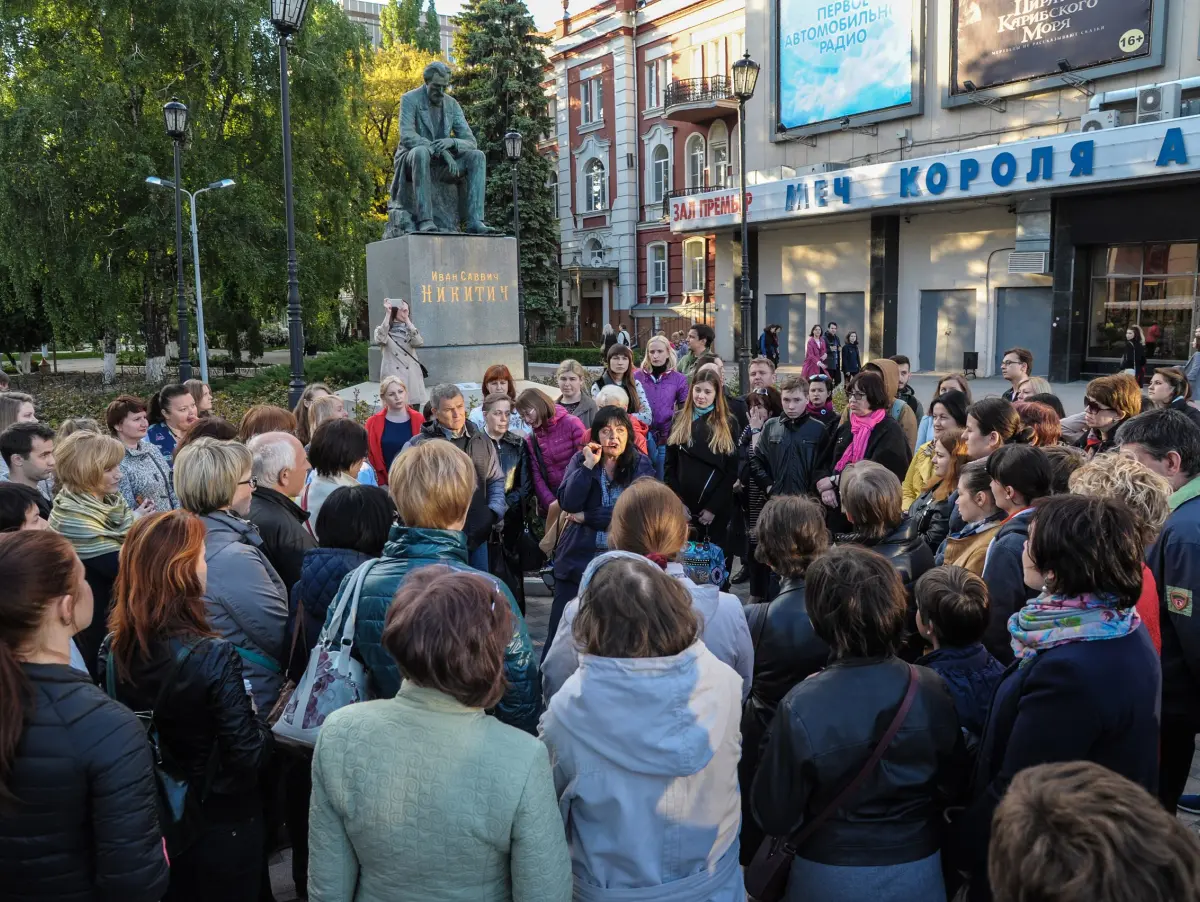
[(429, 35), (82, 83), (400, 22), (501, 66)]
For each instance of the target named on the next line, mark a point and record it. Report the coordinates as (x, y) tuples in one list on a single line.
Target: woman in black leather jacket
[(787, 649), (206, 721), (871, 502), (77, 789), (933, 506), (883, 842)]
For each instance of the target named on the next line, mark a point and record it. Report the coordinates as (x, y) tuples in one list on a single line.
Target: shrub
[(551, 354)]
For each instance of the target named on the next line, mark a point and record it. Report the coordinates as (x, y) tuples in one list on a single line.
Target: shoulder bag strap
[(541, 461), (756, 619), (799, 838)]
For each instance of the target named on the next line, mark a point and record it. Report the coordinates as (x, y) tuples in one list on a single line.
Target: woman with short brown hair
[(145, 473), (882, 843), (650, 713), (383, 771), (1108, 402), (1169, 388), (162, 656), (263, 418)]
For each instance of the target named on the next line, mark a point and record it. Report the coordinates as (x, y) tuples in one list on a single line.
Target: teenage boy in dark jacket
[(785, 459), (1168, 443)]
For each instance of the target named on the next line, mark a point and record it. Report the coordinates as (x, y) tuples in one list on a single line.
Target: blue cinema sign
[(1147, 151)]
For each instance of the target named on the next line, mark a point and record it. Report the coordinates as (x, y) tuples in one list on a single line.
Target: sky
[(545, 12)]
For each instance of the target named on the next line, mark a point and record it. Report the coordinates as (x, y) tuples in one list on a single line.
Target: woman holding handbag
[(856, 830), (702, 458), (397, 337)]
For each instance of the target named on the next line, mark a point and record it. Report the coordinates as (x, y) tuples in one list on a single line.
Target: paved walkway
[(96, 364)]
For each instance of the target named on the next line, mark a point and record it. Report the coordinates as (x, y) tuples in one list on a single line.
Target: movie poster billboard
[(840, 58), (1003, 41)]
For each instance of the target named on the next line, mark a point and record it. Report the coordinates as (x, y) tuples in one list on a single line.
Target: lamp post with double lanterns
[(201, 340), (512, 150), (745, 77), (175, 116), (288, 16)]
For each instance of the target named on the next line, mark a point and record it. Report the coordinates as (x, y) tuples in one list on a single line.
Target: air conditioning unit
[(820, 168), (1159, 102), (1093, 122)]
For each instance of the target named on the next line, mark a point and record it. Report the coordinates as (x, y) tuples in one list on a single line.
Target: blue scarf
[(699, 412)]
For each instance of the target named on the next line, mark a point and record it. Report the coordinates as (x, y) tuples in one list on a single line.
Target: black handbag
[(767, 875)]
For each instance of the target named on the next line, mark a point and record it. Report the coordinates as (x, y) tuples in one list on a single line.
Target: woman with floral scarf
[(1086, 681)]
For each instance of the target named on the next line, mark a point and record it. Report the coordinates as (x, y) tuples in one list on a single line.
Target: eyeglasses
[(252, 482), (856, 396), (1010, 363), (1093, 406)]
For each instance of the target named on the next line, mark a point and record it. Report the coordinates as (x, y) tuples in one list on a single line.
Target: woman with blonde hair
[(1146, 494), (1034, 385), (245, 599), (702, 459), (572, 379), (649, 522), (666, 390), (432, 485), (393, 427), (312, 392), (933, 508), (95, 518)]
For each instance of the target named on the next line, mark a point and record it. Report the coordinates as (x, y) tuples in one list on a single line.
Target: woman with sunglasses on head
[(1108, 402)]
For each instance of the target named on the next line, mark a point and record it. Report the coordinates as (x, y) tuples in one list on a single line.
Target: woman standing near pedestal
[(397, 336)]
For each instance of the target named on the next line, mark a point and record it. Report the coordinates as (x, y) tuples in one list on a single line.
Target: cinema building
[(956, 177)]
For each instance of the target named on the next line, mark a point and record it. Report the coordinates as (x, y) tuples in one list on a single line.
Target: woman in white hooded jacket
[(644, 741), (649, 522)]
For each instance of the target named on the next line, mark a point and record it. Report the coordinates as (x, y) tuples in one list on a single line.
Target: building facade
[(640, 99), (955, 177), (366, 13)]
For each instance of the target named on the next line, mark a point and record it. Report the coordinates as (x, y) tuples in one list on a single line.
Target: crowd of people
[(967, 669)]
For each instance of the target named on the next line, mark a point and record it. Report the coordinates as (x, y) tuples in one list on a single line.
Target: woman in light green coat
[(425, 796)]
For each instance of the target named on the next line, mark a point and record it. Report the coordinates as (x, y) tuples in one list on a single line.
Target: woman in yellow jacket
[(948, 411), (968, 546)]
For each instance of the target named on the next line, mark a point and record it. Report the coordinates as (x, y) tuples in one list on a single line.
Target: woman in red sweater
[(1145, 494), (392, 428)]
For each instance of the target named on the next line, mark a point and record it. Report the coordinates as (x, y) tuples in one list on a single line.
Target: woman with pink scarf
[(865, 432)]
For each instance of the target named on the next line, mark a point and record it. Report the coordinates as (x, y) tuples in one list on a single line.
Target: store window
[(1150, 285)]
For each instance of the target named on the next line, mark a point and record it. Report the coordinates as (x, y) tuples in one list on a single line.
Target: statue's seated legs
[(425, 198)]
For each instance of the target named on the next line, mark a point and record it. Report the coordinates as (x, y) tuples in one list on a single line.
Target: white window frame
[(658, 76), (716, 62), (595, 201), (658, 271), (697, 68), (718, 139), (696, 157), (591, 101), (552, 184), (594, 252), (695, 266), (660, 173)]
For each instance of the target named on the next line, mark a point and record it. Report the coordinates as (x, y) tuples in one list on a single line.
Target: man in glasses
[(1016, 366)]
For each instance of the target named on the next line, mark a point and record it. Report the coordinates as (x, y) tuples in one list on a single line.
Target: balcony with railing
[(699, 99)]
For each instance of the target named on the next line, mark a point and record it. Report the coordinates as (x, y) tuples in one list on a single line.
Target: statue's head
[(437, 79)]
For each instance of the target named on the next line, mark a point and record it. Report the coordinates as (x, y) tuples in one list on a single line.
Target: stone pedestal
[(462, 291)]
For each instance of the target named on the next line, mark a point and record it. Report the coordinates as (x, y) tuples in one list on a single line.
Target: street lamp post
[(201, 339), (175, 115), (288, 16), (745, 77), (512, 149)]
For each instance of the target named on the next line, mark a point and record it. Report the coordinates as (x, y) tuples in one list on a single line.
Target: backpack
[(898, 407), (179, 801), (333, 678)]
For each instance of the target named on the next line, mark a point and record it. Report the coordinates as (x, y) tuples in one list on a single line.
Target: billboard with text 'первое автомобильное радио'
[(998, 42), (843, 58)]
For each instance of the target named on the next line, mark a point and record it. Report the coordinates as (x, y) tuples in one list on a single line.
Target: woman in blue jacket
[(594, 480), (1087, 679)]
